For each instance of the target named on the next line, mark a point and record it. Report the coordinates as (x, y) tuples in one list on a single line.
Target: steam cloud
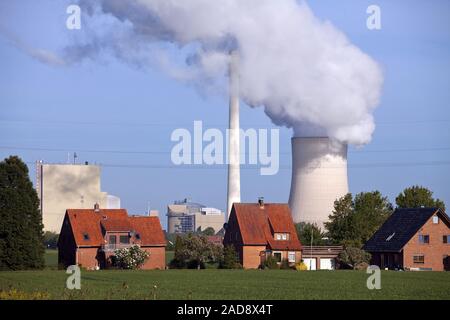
[(304, 72)]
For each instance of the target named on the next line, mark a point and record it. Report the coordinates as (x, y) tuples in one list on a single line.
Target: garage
[(327, 264), (310, 263)]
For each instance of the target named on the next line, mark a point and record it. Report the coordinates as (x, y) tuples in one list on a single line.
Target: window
[(446, 239), (390, 237), (124, 239), (435, 219), (291, 257), (112, 239), (424, 238), (281, 236), (85, 236), (277, 256), (419, 258), (138, 236)]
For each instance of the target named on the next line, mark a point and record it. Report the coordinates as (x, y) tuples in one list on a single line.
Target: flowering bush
[(301, 266), (130, 258)]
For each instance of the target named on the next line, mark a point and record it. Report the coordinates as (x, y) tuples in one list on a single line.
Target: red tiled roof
[(258, 225), (149, 229), (86, 225), (215, 239), (116, 224)]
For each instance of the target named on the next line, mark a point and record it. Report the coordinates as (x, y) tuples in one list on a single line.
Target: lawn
[(230, 284), (223, 284)]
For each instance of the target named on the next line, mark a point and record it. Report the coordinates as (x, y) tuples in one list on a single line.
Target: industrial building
[(319, 177), (63, 186), (185, 216)]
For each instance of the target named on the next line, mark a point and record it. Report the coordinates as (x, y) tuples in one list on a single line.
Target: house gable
[(400, 228)]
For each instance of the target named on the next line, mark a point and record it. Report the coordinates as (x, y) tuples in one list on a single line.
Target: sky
[(122, 117)]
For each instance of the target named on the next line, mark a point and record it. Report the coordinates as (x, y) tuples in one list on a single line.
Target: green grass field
[(230, 284), (225, 284)]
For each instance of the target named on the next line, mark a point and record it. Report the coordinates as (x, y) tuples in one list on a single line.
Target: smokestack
[(234, 175), (319, 177)]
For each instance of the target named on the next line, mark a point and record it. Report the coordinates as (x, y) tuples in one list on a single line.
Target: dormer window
[(281, 236)]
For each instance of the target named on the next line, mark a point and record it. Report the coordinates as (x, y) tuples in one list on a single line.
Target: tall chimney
[(319, 177), (234, 175)]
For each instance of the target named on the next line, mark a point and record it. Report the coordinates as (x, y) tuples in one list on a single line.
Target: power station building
[(185, 216), (63, 186), (319, 177)]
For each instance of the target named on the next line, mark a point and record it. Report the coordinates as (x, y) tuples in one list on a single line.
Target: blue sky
[(110, 106)]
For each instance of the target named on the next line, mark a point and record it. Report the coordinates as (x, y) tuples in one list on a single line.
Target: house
[(89, 237), (321, 257), (258, 230), (412, 239)]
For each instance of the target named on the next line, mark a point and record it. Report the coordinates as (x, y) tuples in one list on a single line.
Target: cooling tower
[(234, 175), (319, 177)]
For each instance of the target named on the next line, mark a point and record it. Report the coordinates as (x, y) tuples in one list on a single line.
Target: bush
[(229, 260), (301, 266), (271, 263), (130, 258), (353, 257)]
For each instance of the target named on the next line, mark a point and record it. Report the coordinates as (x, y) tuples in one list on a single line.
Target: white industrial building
[(69, 186)]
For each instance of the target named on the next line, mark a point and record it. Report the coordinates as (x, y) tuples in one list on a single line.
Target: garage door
[(326, 264), (310, 263)]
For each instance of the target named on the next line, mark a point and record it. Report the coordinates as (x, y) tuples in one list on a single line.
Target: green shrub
[(230, 259), (271, 263), (353, 257)]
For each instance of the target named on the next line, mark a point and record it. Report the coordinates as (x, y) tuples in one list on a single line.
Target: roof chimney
[(96, 207), (261, 202)]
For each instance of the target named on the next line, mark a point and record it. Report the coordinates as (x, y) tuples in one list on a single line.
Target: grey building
[(185, 216)]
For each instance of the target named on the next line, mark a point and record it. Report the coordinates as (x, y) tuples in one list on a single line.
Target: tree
[(195, 250), (21, 236), (230, 259), (416, 197), (353, 222), (306, 230), (209, 231), (50, 239), (354, 257)]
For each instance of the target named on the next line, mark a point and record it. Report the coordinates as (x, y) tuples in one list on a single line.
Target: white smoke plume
[(303, 71)]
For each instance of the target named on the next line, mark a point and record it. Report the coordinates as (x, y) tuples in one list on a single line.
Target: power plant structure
[(234, 174), (186, 216), (69, 186), (319, 177)]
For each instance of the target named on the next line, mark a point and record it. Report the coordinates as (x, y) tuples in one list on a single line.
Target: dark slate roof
[(400, 227)]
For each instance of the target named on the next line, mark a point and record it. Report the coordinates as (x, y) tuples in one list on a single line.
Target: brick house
[(258, 230), (89, 237), (412, 239)]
